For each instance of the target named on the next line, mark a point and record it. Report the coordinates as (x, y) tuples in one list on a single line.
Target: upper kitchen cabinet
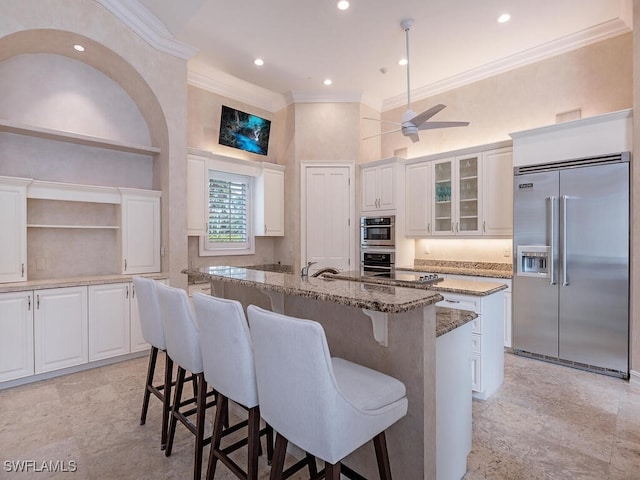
[(379, 185), (497, 192), (418, 199), (13, 234), (269, 212), (140, 231), (457, 197), (197, 194)]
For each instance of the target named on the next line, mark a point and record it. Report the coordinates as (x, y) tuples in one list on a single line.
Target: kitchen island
[(387, 328)]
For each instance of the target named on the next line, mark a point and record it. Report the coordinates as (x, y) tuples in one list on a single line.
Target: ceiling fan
[(412, 122)]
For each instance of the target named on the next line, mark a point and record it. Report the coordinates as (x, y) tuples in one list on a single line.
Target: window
[(229, 230)]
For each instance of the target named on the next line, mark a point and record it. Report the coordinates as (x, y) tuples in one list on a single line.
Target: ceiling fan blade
[(432, 125), (427, 114), (414, 137), (380, 120), (383, 133)]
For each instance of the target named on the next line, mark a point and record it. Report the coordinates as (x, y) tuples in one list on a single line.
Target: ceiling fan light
[(342, 4)]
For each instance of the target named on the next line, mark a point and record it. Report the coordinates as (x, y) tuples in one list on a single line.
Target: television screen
[(244, 131)]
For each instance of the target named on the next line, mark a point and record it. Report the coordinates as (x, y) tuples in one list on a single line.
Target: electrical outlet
[(426, 250), (507, 252)]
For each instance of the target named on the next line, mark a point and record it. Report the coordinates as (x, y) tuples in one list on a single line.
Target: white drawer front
[(477, 325), (476, 369), (461, 302)]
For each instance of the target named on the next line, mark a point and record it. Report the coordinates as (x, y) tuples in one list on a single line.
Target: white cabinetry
[(487, 358), (269, 211), (197, 195), (13, 234), (497, 192), (140, 231), (109, 320), (457, 205), (418, 199), (16, 335), (378, 186), (60, 328)]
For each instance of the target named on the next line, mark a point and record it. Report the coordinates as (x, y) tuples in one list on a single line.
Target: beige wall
[(155, 82), (596, 78)]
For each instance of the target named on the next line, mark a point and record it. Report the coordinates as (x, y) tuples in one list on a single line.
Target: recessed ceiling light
[(79, 48), (328, 82), (504, 18), (259, 62), (403, 61), (343, 4)]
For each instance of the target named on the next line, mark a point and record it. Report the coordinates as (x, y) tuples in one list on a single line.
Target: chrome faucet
[(320, 271), (304, 273)]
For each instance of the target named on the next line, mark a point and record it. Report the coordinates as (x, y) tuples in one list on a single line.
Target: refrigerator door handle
[(552, 240), (563, 244)]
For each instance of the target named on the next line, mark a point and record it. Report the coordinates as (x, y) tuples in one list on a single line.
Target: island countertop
[(380, 298), (449, 285)]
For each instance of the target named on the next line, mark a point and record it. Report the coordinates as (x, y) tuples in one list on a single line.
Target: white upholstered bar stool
[(327, 406), (183, 346), (227, 357), (153, 332)]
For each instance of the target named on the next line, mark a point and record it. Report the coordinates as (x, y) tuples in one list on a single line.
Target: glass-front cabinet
[(456, 206)]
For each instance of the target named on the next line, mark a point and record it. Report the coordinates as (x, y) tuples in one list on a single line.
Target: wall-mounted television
[(244, 131)]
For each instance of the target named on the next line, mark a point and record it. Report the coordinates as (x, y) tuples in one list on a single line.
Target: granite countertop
[(475, 269), (464, 287), (74, 282), (448, 319), (381, 298)]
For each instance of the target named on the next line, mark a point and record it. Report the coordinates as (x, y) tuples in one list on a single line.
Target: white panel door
[(328, 209), (109, 330), (418, 200), (13, 230), (60, 328), (497, 191), (16, 335), (140, 234)]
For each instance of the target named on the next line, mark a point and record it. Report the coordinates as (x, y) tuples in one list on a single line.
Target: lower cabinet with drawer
[(487, 339)]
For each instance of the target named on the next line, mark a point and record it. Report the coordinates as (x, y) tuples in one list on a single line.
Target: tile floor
[(546, 422)]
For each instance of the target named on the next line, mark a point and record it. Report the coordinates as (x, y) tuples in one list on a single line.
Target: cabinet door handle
[(38, 302), (127, 292), (29, 302), (484, 226), (265, 228), (457, 227), (429, 227), (452, 301), (22, 270), (133, 291), (125, 264)]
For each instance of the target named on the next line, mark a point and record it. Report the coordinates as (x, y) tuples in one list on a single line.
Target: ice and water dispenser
[(533, 260)]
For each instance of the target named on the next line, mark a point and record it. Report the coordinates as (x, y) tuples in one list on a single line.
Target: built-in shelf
[(85, 227), (10, 126)]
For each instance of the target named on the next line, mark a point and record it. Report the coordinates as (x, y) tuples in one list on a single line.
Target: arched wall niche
[(106, 61)]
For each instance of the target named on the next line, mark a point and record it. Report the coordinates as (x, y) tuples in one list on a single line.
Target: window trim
[(207, 249)]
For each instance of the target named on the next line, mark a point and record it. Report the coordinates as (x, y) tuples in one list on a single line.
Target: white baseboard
[(634, 377)]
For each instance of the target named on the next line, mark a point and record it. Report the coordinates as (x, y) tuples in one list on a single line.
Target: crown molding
[(232, 87), (332, 97), (564, 44), (133, 14)]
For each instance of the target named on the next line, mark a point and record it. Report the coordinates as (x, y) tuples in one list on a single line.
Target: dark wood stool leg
[(166, 401), (311, 465), (153, 355), (254, 443), (269, 443), (177, 398), (277, 466), (332, 471), (216, 436), (382, 456), (201, 407)]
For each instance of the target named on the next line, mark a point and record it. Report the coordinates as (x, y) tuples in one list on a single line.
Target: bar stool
[(327, 406), (183, 346), (153, 333), (227, 357)]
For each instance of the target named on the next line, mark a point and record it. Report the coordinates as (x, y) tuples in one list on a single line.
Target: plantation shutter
[(228, 215)]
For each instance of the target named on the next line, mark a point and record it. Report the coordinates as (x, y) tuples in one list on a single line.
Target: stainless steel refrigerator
[(571, 264)]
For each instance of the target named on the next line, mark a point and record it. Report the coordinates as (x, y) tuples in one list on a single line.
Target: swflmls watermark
[(38, 466)]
